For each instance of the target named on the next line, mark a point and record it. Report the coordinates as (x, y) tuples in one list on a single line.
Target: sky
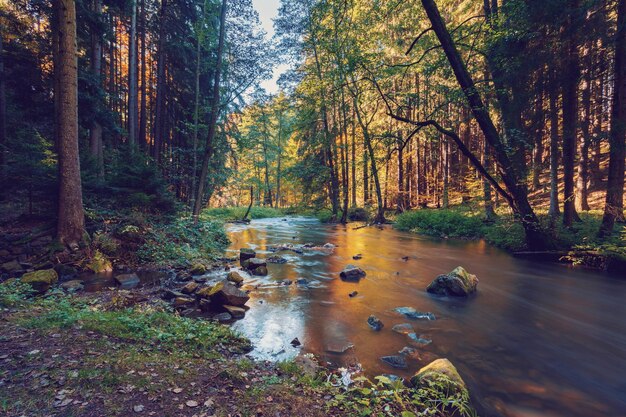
[(268, 10)]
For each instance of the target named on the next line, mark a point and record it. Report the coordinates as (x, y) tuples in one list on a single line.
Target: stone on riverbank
[(225, 293), (352, 273), (198, 269), (440, 370), (236, 312), (458, 283), (190, 287), (41, 280)]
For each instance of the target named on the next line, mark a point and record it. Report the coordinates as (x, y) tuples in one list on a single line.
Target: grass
[(468, 222), (256, 212)]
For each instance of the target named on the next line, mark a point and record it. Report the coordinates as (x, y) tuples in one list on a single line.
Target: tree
[(614, 205), (71, 219), (215, 106)]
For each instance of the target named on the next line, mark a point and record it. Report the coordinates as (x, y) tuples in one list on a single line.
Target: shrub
[(358, 214)]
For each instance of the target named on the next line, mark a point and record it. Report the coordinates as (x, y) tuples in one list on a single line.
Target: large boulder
[(458, 283), (41, 280), (245, 254), (441, 371), (225, 293), (256, 266), (352, 273), (127, 281)]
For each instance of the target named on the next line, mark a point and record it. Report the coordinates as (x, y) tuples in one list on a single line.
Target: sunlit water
[(537, 340)]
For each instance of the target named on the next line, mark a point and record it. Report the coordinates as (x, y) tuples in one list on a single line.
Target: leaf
[(383, 379), (407, 414)]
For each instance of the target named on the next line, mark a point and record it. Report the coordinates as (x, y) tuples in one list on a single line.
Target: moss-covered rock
[(198, 269), (440, 371), (458, 283), (41, 280)]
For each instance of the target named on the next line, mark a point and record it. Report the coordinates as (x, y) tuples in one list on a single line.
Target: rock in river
[(434, 372), (245, 254), (338, 346), (375, 323), (458, 283), (127, 281), (235, 277), (403, 328), (418, 339), (253, 264), (352, 273), (73, 285), (397, 361), (275, 259), (411, 313)]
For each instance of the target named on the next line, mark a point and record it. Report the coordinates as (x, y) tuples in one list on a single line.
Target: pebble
[(138, 408)]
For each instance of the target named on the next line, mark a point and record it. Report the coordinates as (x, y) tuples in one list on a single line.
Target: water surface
[(537, 340)]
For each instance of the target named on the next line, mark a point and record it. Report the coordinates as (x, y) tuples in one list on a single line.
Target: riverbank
[(122, 352), (578, 245)]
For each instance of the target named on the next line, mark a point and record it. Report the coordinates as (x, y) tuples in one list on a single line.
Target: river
[(537, 339)]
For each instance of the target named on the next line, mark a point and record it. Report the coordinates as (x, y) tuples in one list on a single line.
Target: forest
[(151, 149)]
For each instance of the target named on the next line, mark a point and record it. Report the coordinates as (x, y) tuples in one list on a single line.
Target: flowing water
[(537, 340)]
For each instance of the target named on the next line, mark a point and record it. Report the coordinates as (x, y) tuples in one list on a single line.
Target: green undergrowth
[(467, 222), (256, 212), (151, 324), (183, 243), (386, 397)]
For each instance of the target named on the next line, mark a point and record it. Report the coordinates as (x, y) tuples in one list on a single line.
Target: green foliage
[(358, 214), (439, 397), (14, 293), (150, 325), (449, 223), (183, 243)]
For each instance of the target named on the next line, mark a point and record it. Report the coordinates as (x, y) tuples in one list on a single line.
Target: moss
[(41, 280), (99, 263)]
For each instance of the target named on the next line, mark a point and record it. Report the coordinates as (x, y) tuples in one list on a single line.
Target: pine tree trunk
[(571, 73), (614, 205), (95, 132), (159, 113), (3, 118), (133, 115), (71, 219), (143, 113), (215, 106), (554, 210)]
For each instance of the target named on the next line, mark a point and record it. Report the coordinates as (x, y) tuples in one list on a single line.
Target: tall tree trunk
[(571, 73), (614, 205), (95, 131), (133, 114), (196, 110), (161, 83), (215, 107), (143, 113), (536, 238), (582, 180), (71, 219), (554, 210), (380, 211), (3, 117), (353, 148)]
